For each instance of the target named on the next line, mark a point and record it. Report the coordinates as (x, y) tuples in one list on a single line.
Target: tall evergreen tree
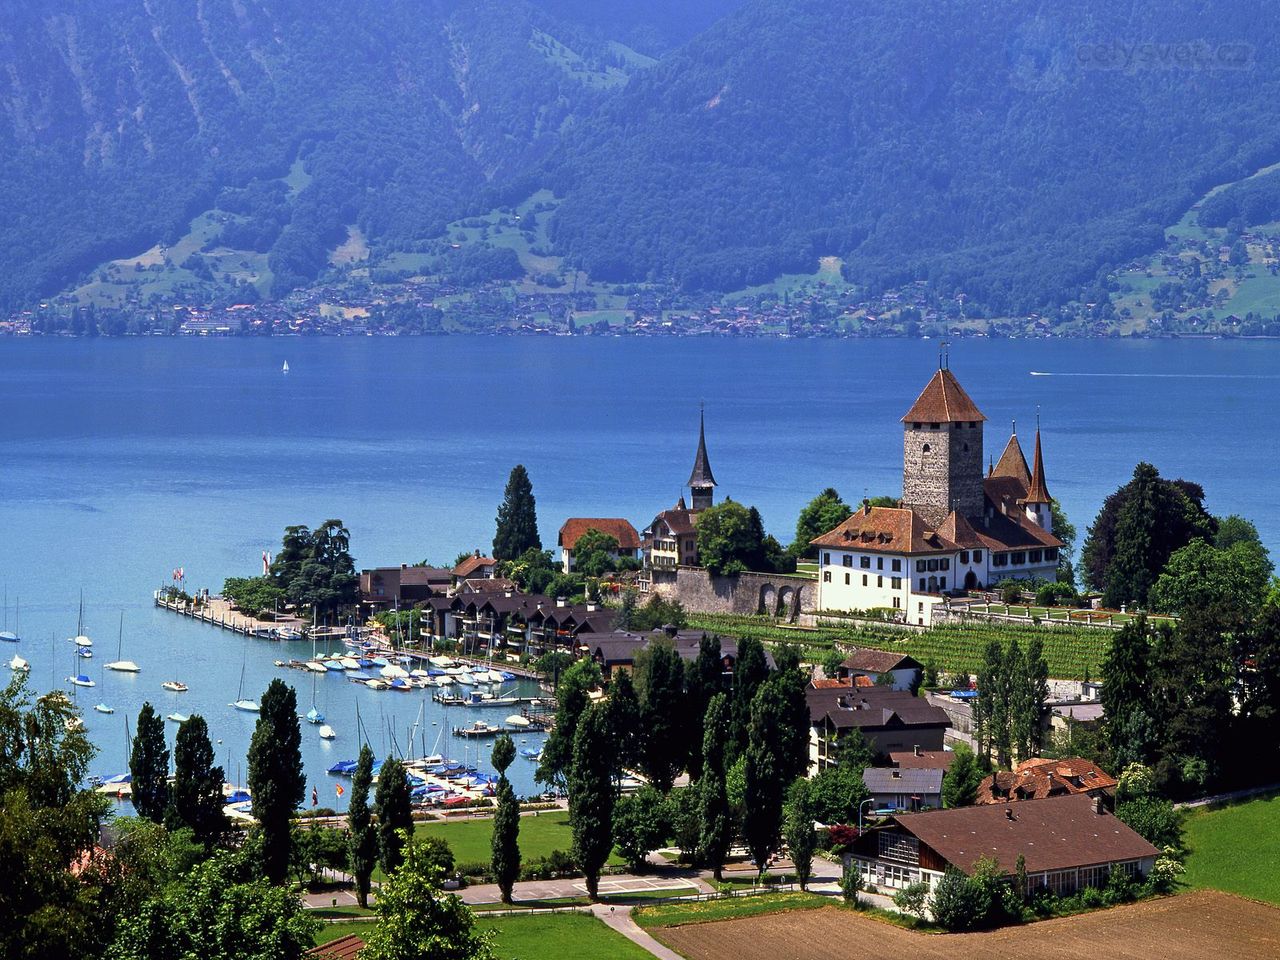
[(1127, 707), (793, 736), (716, 821), (571, 701), (506, 821), (197, 784), (1037, 695), (1013, 706), (362, 841), (393, 806), (960, 784), (517, 518), (703, 680), (149, 766), (765, 783), (626, 723), (663, 707), (802, 839), (591, 796), (750, 670), (984, 704), (276, 779), (823, 513)]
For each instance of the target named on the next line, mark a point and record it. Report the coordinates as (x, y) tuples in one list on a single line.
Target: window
[(916, 426), (920, 566), (896, 583), (901, 847), (1033, 556), (864, 562), (932, 565), (1051, 553), (942, 583), (977, 556), (934, 426), (897, 602), (846, 579), (847, 560), (926, 448), (879, 581), (826, 558), (922, 590), (879, 563), (964, 556), (1019, 557), (1095, 876), (999, 559), (944, 563), (864, 579), (897, 565), (826, 576)]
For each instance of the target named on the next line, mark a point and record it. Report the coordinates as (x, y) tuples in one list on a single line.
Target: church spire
[(1038, 492), (701, 480)]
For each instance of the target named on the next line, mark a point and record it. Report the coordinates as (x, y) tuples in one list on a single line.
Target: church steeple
[(1038, 504), (701, 480)]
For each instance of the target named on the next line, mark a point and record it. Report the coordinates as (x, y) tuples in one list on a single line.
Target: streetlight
[(860, 806)]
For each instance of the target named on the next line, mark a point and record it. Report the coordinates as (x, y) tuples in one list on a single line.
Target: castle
[(954, 529)]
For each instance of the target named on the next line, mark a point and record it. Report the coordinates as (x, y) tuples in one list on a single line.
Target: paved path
[(619, 918), (671, 885)]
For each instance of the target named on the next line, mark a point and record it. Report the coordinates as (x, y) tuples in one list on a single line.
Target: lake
[(124, 459)]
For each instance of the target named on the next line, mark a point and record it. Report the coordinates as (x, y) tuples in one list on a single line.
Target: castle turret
[(942, 451), (701, 480), (1038, 502)]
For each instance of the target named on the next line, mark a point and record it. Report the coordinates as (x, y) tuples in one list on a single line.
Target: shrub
[(956, 902), (851, 883), (913, 899)]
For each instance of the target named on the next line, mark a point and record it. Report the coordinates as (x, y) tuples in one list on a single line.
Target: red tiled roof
[(1038, 778), (925, 759), (943, 400), (344, 948), (616, 527), (1012, 463), (471, 565), (679, 520), (886, 530)]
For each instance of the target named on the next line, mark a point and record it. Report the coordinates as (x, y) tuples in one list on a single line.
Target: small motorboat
[(327, 732), (174, 686), (80, 680), (103, 708), (316, 666), (178, 717), (84, 653), (519, 720), (8, 636), (18, 665)]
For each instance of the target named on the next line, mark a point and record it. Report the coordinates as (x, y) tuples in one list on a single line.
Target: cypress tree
[(960, 784), (517, 518), (393, 806), (663, 707), (765, 783), (362, 843), (276, 779), (572, 699), (506, 821), (750, 670), (703, 680), (591, 796), (802, 839), (197, 783), (1037, 683), (984, 707), (713, 795), (149, 766), (1012, 709), (626, 723)]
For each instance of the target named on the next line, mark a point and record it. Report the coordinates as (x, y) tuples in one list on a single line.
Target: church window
[(926, 448)]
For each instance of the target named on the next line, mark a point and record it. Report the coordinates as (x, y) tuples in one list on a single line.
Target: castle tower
[(1038, 503), (942, 451), (701, 480)]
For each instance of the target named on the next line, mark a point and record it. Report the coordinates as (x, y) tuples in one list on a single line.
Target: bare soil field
[(1194, 926)]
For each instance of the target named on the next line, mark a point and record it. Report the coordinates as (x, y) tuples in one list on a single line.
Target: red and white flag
[(338, 787), (266, 563)]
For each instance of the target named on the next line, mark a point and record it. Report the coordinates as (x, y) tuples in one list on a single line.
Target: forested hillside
[(121, 119), (1011, 152), (1004, 149)]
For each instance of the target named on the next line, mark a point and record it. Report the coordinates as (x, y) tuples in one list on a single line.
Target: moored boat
[(174, 686)]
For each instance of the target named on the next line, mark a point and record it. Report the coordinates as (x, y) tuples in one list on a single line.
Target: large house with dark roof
[(889, 720), (954, 529), (1068, 843)]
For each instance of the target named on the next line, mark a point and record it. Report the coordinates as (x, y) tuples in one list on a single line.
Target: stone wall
[(776, 595), (942, 470)]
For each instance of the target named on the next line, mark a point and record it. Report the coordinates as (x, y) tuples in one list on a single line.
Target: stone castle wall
[(776, 595)]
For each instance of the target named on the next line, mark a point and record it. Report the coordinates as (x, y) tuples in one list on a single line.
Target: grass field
[(332, 931), (707, 911), (558, 936), (1237, 849), (470, 839)]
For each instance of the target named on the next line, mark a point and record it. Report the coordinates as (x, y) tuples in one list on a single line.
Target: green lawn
[(706, 911), (558, 936), (1237, 849), (332, 931), (470, 840)]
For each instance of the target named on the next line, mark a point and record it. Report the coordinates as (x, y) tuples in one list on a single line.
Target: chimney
[(591, 608), (1098, 807), (1008, 814), (560, 602), (508, 593), (404, 566), (917, 751)]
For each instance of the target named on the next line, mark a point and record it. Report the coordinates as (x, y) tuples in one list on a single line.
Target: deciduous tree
[(802, 839), (716, 821)]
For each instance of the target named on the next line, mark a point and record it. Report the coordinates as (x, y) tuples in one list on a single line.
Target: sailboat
[(80, 640), (327, 732), (102, 707), (285, 368), (314, 715), (249, 706), (18, 665), (82, 680), (119, 665), (7, 635)]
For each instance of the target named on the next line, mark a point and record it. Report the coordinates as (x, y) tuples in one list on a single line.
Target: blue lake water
[(121, 460)]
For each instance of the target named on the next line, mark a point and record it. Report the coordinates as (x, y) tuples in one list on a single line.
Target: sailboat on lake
[(314, 715), (249, 706), (7, 635), (121, 665), (80, 640), (103, 707)]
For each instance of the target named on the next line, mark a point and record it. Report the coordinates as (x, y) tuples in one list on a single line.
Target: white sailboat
[(80, 640), (18, 665), (103, 707), (285, 368), (249, 706), (120, 665), (327, 732), (314, 715), (7, 635)]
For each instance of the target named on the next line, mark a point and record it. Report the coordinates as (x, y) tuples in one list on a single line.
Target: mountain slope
[(121, 119), (995, 147)]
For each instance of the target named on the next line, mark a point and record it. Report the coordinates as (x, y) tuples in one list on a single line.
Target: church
[(954, 528)]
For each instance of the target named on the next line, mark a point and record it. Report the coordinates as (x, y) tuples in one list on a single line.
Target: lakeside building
[(390, 588), (954, 529), (572, 530), (1068, 843), (891, 721), (671, 540)]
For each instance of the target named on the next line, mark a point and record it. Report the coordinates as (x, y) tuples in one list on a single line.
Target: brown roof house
[(918, 759), (671, 540), (890, 720), (621, 530), (954, 528), (475, 567), (875, 664), (1040, 777), (1068, 843), (386, 588)]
